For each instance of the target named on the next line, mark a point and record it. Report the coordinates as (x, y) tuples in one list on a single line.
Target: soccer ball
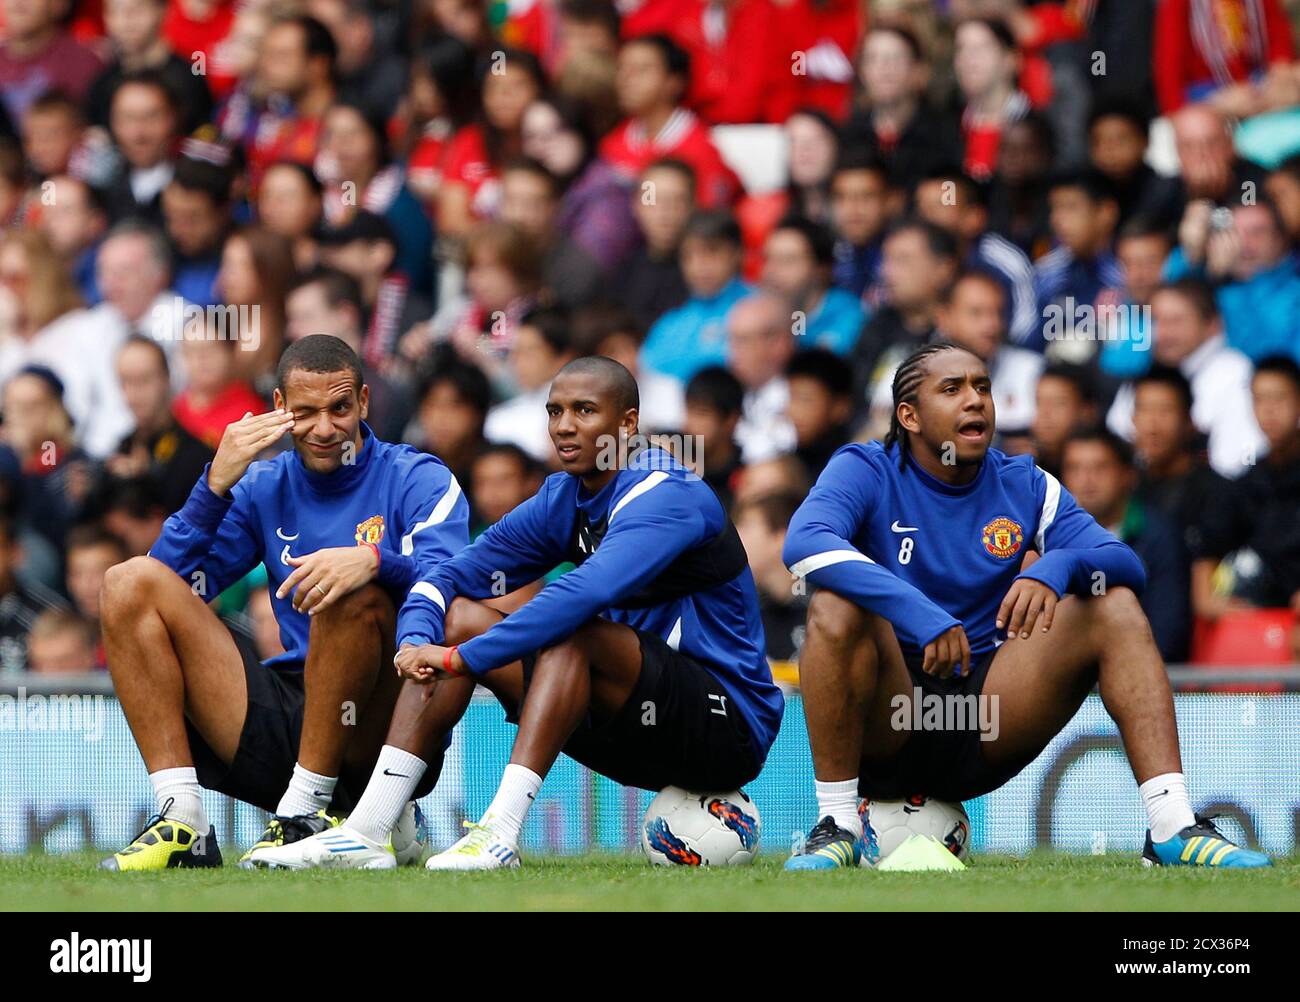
[(700, 829), (894, 820), (408, 835)]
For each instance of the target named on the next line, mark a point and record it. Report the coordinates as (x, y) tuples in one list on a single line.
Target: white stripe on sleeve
[(439, 514), (1048, 515), (819, 560)]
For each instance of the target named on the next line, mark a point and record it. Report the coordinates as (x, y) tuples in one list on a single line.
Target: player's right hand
[(946, 652), (240, 444)]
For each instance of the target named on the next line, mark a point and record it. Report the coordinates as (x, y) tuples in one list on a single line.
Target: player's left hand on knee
[(1028, 602), (322, 578)]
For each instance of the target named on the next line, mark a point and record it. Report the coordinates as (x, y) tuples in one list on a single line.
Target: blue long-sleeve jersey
[(404, 500), (928, 556), (654, 550)]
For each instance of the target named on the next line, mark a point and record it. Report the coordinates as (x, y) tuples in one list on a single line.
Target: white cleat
[(479, 849), (335, 847)]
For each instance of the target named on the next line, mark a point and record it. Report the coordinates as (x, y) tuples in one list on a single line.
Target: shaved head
[(613, 378)]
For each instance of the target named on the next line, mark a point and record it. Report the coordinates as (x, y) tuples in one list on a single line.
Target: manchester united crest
[(371, 530), (1002, 537)]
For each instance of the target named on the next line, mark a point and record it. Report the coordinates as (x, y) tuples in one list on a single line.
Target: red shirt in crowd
[(1201, 45), (187, 35), (466, 162), (208, 424), (683, 137), (741, 62), (826, 32)]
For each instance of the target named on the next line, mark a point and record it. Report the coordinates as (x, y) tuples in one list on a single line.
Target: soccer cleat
[(165, 844), (334, 847), (1201, 844), (285, 831), (828, 847), (479, 849)]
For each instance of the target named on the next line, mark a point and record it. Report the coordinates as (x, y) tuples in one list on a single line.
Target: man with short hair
[(344, 524), (38, 54), (144, 119), (760, 344)]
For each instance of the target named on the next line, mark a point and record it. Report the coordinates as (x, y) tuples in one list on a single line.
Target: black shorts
[(678, 728), (268, 746), (947, 763)]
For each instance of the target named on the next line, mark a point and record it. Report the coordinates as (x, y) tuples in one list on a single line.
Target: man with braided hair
[(928, 596)]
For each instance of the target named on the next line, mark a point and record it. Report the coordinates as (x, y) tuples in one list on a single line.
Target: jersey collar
[(939, 487), (345, 477)]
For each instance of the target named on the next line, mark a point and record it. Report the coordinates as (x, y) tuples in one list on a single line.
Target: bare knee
[(1118, 612), (466, 619), (132, 587), (835, 620)]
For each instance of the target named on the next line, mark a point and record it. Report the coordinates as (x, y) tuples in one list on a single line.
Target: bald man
[(760, 343), (645, 663)]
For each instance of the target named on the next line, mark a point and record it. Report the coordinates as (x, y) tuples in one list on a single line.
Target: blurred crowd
[(760, 207)]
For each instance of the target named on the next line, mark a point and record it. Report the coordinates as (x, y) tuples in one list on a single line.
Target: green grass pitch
[(1043, 881)]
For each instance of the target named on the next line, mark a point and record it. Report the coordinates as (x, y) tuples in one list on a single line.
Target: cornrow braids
[(908, 378)]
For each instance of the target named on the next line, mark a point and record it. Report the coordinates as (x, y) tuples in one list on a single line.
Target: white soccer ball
[(409, 839), (893, 821), (701, 829)]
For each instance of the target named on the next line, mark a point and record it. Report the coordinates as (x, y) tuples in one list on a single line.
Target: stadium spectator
[(760, 344), (215, 394), (859, 193), (651, 283), (1081, 274), (778, 475), (894, 121), (13, 179), (1245, 253), (38, 54), (196, 209), (1117, 148), (132, 510), (504, 476), (1257, 517), (1283, 189), (328, 301), (1141, 248), (1209, 167), (367, 77), (1097, 468), (1172, 473), (290, 203), (91, 551), (798, 257), (75, 221), (1065, 400), (454, 400), (470, 189), (530, 200), (950, 199), (782, 599), (21, 600), (1018, 191), (542, 346), (820, 405), (134, 29), (53, 131), (653, 74), (986, 63), (157, 449), (918, 263), (1189, 335), (714, 401), (595, 209), (145, 125), (365, 248), (256, 268), (61, 642), (203, 29), (353, 165), (693, 335), (277, 114), (612, 331)]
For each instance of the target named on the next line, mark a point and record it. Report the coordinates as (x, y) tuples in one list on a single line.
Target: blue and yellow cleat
[(829, 847), (1201, 844), (166, 844)]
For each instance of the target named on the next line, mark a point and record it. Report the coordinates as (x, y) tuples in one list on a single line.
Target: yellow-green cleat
[(166, 844), (285, 831)]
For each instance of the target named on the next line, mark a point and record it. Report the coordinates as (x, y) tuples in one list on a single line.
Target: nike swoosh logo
[(1160, 794), (319, 793), (279, 531), (903, 528), (532, 797), (396, 775)]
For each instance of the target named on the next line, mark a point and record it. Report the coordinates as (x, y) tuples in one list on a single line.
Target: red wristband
[(378, 558), (446, 660)]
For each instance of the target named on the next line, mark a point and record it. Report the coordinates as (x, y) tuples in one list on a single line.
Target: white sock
[(307, 793), (518, 790), (840, 800), (1168, 809), (387, 793), (181, 787)]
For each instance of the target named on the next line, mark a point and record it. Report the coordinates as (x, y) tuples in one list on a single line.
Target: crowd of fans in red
[(758, 206)]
